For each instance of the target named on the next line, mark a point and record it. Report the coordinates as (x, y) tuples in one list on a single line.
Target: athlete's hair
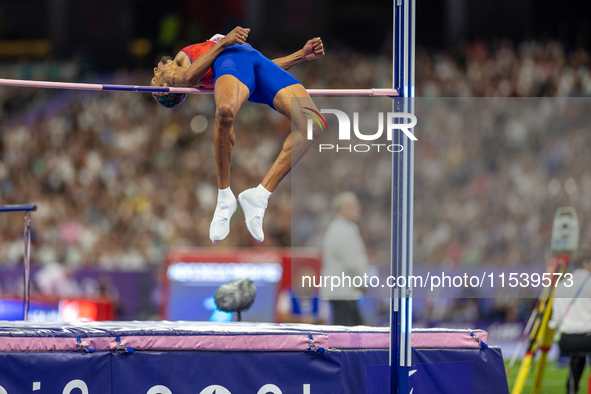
[(170, 100), (581, 256)]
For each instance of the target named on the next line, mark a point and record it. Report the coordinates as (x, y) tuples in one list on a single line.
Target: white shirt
[(578, 318), (343, 254)]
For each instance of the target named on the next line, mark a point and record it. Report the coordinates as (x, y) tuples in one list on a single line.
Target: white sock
[(254, 202), (225, 208), (263, 192), (225, 195)]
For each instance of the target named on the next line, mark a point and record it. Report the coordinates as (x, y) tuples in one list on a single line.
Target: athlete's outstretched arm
[(312, 50), (190, 76)]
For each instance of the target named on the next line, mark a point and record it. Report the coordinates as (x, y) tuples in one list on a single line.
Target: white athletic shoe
[(253, 205), (220, 225)]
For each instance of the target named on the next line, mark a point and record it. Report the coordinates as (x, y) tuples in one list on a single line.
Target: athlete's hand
[(313, 49), (236, 36)]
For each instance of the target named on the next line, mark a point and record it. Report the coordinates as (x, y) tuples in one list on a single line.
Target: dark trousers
[(577, 346), (346, 313)]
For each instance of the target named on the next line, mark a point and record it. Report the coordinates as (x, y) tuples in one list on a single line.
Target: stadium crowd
[(118, 179)]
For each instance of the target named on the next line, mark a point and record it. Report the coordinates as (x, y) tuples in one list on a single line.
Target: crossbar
[(18, 208), (160, 89)]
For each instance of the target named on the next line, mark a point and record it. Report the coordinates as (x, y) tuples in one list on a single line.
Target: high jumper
[(237, 72)]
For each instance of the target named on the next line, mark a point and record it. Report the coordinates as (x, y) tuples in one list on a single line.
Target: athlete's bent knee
[(310, 130), (225, 114)]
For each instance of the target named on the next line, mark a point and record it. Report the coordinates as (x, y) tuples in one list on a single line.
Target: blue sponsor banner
[(449, 377), (76, 373), (458, 371), (478, 371), (242, 372)]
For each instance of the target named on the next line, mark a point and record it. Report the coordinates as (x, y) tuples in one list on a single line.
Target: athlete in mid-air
[(237, 72)]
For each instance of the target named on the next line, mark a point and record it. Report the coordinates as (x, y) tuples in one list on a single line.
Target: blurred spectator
[(344, 258), (56, 281), (571, 316)]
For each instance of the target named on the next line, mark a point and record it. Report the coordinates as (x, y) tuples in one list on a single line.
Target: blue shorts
[(262, 77)]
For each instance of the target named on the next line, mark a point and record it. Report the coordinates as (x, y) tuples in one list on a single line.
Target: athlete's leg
[(297, 144), (254, 201), (229, 94)]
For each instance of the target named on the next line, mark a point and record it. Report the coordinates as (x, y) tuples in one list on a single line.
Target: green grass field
[(554, 379)]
